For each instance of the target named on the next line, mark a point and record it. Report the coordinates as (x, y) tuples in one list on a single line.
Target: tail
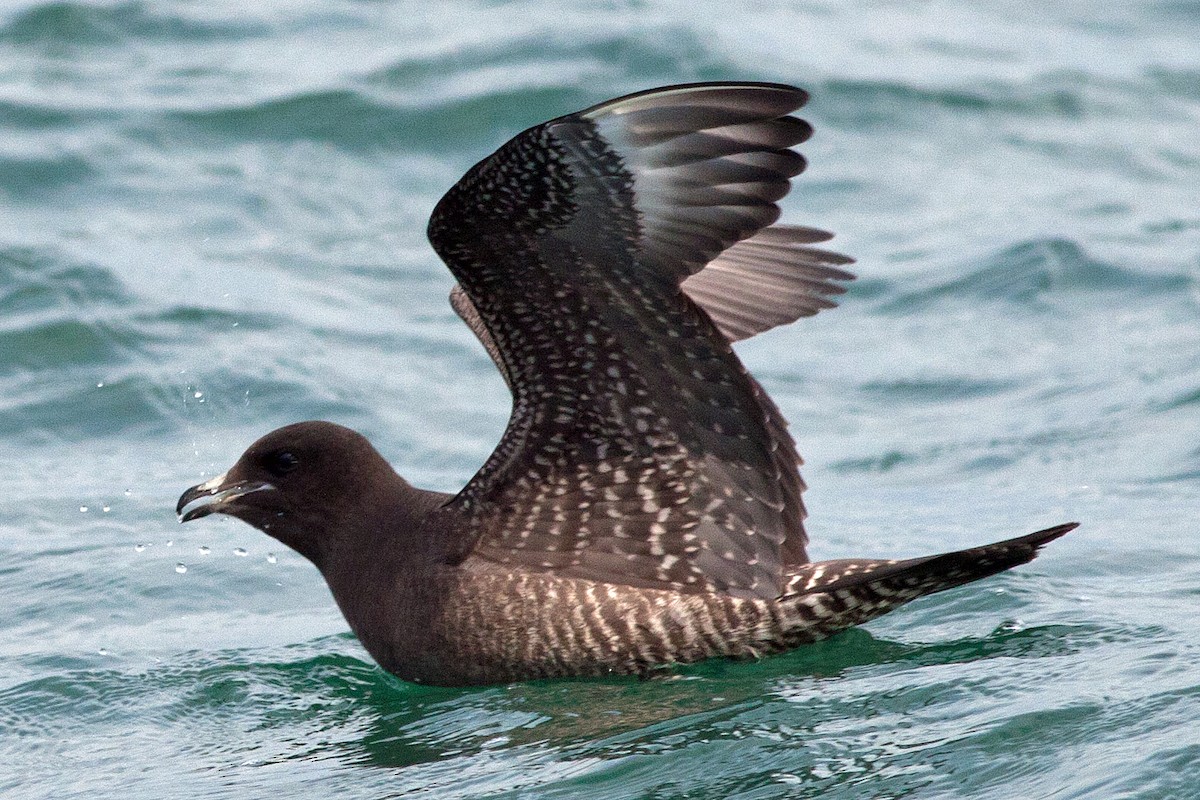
[(831, 595)]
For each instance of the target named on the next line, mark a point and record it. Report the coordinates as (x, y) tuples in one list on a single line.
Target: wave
[(38, 279), (82, 356), (33, 116), (1035, 269), (28, 179), (869, 103), (339, 116), (56, 25), (1182, 83), (438, 100)]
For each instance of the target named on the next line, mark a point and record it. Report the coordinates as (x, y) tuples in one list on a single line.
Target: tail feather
[(830, 595)]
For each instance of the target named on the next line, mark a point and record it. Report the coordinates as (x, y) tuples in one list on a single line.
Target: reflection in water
[(622, 716)]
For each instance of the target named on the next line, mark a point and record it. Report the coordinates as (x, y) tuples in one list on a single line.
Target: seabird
[(643, 507)]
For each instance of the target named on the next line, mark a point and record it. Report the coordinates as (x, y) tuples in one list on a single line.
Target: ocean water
[(212, 223)]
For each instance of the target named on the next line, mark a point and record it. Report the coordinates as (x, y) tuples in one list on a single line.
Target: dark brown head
[(315, 486)]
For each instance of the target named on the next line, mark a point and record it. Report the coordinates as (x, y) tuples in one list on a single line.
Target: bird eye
[(282, 462)]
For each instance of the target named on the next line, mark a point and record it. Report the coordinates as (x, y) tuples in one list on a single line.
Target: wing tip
[(793, 97)]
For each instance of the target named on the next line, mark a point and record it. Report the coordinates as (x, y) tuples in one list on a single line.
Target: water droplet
[(181, 568), (197, 395), (100, 385), (204, 550), (139, 548), (170, 542), (83, 509), (271, 559), (239, 551), (102, 651), (106, 509), (128, 492)]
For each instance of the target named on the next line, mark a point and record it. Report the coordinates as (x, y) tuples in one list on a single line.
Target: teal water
[(212, 224)]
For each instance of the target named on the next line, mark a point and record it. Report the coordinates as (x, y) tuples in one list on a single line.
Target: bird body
[(643, 507), (484, 623)]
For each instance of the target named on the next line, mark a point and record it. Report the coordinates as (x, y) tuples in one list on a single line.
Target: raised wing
[(639, 451), (771, 279)]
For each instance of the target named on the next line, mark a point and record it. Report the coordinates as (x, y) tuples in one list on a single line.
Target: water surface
[(213, 225)]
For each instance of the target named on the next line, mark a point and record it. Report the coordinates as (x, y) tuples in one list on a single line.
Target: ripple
[(1034, 269), (211, 320), (512, 68), (32, 116), (378, 122), (39, 179), (38, 279), (60, 343), (979, 454), (130, 396), (311, 116), (438, 101), (61, 24), (884, 462), (862, 104), (1183, 399), (937, 390), (55, 312)]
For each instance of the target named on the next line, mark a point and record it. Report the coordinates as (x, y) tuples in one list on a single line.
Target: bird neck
[(390, 574), (398, 537)]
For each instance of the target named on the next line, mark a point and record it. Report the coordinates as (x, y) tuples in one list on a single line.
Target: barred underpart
[(511, 626)]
